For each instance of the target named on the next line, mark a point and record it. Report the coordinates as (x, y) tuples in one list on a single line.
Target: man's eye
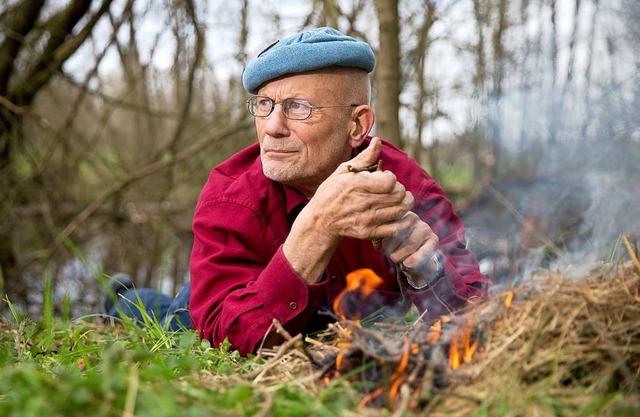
[(296, 106), (263, 103)]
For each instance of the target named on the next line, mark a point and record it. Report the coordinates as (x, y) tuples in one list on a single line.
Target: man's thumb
[(368, 157)]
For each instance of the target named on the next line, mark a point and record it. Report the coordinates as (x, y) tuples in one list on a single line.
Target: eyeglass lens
[(293, 109)]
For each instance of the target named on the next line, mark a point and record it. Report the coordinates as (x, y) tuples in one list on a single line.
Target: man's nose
[(275, 123)]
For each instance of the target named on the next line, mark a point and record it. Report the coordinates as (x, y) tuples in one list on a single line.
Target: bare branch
[(141, 173), (59, 48), (17, 22), (5, 102), (199, 49)]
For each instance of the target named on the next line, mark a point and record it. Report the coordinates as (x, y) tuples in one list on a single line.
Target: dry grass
[(561, 347), (561, 344)]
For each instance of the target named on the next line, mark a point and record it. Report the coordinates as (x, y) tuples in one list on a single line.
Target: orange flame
[(339, 360), (508, 299), (363, 280), (434, 332), (469, 348), (399, 373), (456, 357)]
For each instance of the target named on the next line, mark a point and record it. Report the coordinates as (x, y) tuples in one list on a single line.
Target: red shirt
[(241, 281)]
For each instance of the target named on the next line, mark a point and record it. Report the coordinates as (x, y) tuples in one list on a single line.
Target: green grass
[(58, 367), (68, 369), (86, 367)]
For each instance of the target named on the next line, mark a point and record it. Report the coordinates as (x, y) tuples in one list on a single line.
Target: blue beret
[(307, 51)]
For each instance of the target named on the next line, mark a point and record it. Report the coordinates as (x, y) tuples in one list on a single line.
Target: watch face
[(437, 261), (434, 265), (417, 282), (429, 275)]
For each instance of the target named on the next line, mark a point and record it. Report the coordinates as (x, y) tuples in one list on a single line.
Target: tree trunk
[(479, 83), (495, 98), (553, 108), (17, 22), (422, 50), (388, 72), (21, 77), (586, 99), (568, 84), (331, 13)]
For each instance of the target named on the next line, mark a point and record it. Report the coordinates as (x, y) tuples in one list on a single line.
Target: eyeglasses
[(292, 108)]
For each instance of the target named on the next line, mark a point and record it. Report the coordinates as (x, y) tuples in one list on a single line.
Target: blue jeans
[(174, 313)]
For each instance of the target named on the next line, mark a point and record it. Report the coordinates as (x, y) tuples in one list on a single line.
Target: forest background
[(113, 112)]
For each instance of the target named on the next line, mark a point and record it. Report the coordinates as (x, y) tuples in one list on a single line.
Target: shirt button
[(293, 305), (333, 278)]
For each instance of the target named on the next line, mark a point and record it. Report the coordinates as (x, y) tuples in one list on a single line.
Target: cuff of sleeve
[(455, 283), (284, 293)]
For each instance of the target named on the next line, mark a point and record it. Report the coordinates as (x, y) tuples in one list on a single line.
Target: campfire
[(576, 335), (402, 357)]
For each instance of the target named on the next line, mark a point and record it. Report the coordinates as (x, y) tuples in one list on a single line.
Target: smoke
[(569, 208), (569, 186)]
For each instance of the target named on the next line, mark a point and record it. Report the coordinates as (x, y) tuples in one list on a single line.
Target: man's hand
[(412, 245), (360, 205)]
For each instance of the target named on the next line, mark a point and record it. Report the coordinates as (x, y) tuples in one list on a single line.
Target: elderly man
[(280, 224)]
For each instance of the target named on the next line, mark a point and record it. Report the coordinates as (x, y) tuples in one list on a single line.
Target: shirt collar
[(293, 198)]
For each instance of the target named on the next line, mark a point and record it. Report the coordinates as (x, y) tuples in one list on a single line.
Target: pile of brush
[(553, 344)]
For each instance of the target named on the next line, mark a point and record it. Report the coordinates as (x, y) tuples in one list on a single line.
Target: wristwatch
[(428, 275)]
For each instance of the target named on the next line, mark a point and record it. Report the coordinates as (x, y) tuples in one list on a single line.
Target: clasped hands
[(373, 206)]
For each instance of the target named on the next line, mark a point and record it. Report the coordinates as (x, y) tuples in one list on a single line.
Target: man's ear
[(362, 120)]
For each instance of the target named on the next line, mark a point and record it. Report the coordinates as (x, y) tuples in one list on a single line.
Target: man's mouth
[(275, 153)]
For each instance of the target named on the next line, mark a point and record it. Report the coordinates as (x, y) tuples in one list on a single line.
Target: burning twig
[(401, 360), (370, 396)]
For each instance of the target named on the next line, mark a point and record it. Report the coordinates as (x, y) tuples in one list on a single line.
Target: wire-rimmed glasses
[(293, 108)]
